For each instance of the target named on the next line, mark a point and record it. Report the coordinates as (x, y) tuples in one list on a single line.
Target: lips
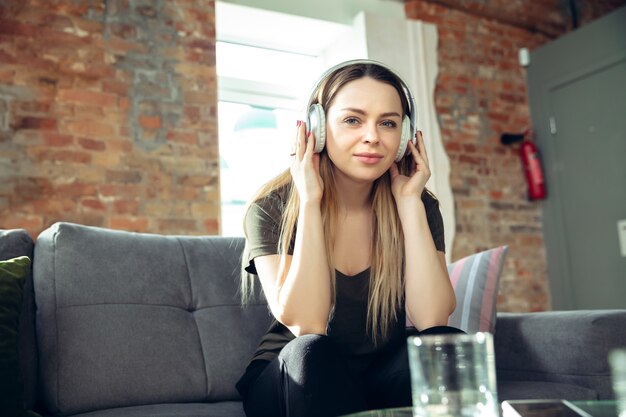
[(368, 158)]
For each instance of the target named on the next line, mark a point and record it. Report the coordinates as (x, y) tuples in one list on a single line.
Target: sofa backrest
[(127, 318), (14, 243), (566, 347)]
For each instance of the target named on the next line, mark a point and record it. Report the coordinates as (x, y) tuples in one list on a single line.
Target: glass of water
[(453, 375), (617, 360)]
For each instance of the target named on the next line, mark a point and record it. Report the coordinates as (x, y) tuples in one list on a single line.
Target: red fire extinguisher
[(532, 169)]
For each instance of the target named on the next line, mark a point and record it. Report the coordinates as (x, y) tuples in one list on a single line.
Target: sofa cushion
[(15, 243), (567, 347), (127, 319), (221, 409), (475, 279), (529, 390)]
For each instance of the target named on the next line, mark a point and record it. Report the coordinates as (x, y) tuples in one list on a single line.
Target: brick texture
[(480, 94), (101, 107), (108, 118)]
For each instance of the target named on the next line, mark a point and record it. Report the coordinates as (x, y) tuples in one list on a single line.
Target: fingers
[(393, 170), (310, 144), (301, 141), (412, 184), (419, 152), (304, 144), (305, 166), (415, 153), (299, 145), (420, 145)]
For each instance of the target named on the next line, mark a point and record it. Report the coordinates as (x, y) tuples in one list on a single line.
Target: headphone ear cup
[(316, 123), (405, 136)]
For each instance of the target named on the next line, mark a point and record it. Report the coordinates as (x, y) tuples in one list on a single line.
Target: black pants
[(310, 378)]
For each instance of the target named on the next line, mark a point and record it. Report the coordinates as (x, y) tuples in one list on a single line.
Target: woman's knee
[(440, 330), (310, 349), (316, 380)]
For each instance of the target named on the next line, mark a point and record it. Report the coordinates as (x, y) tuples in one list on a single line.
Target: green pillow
[(12, 276)]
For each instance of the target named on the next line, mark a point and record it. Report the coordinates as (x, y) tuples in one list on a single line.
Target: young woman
[(346, 244)]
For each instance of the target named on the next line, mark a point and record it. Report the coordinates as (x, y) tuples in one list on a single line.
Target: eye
[(351, 121), (389, 123)]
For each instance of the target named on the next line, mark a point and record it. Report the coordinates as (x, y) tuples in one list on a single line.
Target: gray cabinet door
[(577, 88)]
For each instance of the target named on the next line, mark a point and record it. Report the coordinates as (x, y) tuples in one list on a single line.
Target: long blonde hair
[(386, 289)]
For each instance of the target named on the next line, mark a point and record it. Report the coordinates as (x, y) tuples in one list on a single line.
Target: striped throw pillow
[(475, 281)]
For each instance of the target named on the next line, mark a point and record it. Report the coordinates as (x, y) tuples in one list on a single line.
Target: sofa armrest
[(559, 346)]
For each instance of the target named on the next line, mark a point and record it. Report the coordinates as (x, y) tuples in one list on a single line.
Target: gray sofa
[(125, 324)]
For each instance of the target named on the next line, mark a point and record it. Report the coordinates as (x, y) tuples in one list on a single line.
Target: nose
[(370, 135)]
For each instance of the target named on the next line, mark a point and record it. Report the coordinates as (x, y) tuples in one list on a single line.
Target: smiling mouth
[(368, 158)]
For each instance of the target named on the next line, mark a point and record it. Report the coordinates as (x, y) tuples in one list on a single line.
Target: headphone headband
[(405, 87)]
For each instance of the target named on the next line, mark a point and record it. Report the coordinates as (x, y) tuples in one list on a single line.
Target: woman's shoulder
[(429, 200), (435, 219), (276, 197), (271, 204)]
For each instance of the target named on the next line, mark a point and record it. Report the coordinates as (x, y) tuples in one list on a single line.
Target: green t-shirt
[(348, 326)]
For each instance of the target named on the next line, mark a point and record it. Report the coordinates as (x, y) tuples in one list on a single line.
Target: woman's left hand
[(407, 188)]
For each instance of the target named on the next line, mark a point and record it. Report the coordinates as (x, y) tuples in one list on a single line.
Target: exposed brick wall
[(480, 94), (589, 10), (108, 118), (108, 115)]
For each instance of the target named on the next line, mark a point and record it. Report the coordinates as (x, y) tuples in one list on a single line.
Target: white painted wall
[(338, 11), (410, 47)]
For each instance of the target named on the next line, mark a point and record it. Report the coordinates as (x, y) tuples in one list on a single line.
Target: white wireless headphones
[(316, 117)]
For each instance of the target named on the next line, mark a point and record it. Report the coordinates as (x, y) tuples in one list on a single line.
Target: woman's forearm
[(428, 292), (305, 294)]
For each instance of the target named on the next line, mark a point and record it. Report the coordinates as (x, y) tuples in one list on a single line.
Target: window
[(266, 64), (261, 95), (254, 147)]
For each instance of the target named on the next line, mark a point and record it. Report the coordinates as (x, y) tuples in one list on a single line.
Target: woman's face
[(363, 127)]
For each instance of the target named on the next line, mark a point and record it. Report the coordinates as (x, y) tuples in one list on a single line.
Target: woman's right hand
[(305, 168)]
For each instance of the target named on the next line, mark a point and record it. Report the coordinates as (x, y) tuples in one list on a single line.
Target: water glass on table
[(453, 375), (617, 360)]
